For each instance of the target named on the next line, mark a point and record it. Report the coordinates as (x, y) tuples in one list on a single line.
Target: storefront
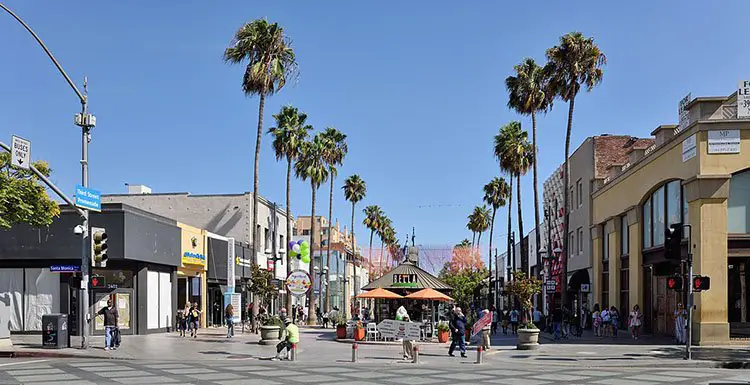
[(142, 250), (191, 274)]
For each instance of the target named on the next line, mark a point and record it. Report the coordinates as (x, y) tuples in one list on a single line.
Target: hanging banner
[(298, 282), (230, 265)]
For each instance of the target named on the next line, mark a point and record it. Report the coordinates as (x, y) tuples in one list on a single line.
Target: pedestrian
[(304, 314), (557, 319), (229, 317), (300, 314), (614, 319), (565, 322), (596, 321), (194, 319), (606, 322), (680, 315), (635, 321), (505, 321), (326, 316), (494, 320), (485, 333), (283, 313), (514, 320), (536, 316), (290, 337), (182, 321), (408, 344), (110, 324), (458, 330)]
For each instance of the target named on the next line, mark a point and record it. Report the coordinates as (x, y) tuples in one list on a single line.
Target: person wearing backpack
[(514, 320)]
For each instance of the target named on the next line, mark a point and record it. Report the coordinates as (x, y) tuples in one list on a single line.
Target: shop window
[(116, 278), (738, 204), (666, 206), (605, 285), (658, 209), (624, 236), (674, 202), (647, 224), (605, 247)]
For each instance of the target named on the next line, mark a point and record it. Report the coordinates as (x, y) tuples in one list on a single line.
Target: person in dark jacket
[(458, 329), (110, 324)]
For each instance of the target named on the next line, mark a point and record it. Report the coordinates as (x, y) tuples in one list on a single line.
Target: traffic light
[(701, 283), (99, 247), (98, 282), (675, 282), (673, 242)]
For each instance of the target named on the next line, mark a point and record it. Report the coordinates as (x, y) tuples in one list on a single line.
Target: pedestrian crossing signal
[(701, 283), (98, 282), (675, 282)]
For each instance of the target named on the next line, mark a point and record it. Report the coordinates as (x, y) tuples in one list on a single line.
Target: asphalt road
[(259, 371)]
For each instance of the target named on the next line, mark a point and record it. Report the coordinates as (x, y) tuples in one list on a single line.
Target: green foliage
[(576, 61), (355, 189), (335, 149), (513, 150), (496, 192), (271, 320), (524, 288), (311, 165), (23, 198), (338, 319), (260, 284), (289, 133), (443, 327), (529, 90), (464, 282)]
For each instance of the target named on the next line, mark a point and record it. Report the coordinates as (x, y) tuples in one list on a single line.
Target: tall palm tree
[(270, 61), (495, 194), (529, 94), (355, 190), (288, 135), (373, 214), (512, 148), (472, 226), (312, 167), (577, 61), (383, 231), (334, 154), (482, 221)]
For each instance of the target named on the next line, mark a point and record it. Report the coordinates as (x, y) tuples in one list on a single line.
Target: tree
[(335, 151), (495, 194), (270, 61), (528, 95), (288, 135), (577, 61), (373, 215), (524, 288), (464, 273), (383, 230), (260, 284), (471, 224), (23, 198), (513, 150), (355, 190), (482, 221), (312, 167)]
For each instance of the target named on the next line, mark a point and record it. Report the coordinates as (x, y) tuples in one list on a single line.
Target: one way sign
[(20, 155)]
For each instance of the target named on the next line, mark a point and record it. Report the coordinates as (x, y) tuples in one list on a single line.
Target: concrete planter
[(528, 339), (269, 335)]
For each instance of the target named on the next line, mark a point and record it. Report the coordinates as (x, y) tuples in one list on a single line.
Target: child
[(182, 322)]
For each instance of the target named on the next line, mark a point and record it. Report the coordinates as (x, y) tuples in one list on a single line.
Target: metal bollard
[(415, 355), (355, 352), (293, 353), (480, 354)]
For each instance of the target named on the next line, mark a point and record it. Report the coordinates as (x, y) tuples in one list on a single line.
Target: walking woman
[(194, 319), (680, 315), (229, 317), (635, 321), (596, 320), (614, 319)]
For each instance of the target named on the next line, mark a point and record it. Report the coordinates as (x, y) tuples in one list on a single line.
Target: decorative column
[(635, 257), (596, 262), (611, 231)]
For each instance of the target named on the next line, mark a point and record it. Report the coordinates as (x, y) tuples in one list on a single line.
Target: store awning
[(408, 276), (380, 294), (429, 295)]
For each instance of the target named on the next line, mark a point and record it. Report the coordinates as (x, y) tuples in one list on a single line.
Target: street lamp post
[(86, 122)]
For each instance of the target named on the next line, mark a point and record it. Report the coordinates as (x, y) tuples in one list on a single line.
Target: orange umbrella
[(380, 293), (429, 294)]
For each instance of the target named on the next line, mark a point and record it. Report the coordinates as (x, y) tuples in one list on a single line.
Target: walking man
[(485, 333), (408, 344), (110, 324), (458, 329)]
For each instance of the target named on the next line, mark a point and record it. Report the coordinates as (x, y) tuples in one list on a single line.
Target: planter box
[(269, 335), (341, 332), (442, 336), (528, 339)]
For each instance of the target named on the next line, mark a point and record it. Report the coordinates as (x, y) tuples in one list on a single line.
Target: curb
[(53, 354)]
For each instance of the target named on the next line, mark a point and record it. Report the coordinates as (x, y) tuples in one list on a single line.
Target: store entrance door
[(122, 299)]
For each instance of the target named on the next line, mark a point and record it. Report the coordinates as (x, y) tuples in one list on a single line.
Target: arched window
[(665, 206), (738, 204)]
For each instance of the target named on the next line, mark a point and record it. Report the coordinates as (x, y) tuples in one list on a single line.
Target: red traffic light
[(98, 282), (674, 282), (701, 283)]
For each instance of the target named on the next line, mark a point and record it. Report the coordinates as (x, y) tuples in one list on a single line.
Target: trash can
[(55, 331)]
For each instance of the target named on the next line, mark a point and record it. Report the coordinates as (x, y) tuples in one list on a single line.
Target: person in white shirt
[(606, 322), (680, 315)]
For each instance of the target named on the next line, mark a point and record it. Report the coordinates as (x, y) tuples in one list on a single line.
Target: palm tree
[(528, 95), (311, 166), (270, 61), (373, 214), (383, 231), (513, 150), (577, 61), (354, 191), (482, 221), (472, 226), (335, 151), (495, 194), (288, 135)]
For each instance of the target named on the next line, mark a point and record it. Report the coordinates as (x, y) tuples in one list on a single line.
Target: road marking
[(23, 362)]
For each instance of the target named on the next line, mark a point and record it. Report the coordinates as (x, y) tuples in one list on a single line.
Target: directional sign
[(87, 198), (399, 329), (20, 155), (479, 325), (64, 268)]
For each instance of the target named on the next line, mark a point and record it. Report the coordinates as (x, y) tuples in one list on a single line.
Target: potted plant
[(270, 330), (340, 322), (359, 331), (524, 288), (442, 332)]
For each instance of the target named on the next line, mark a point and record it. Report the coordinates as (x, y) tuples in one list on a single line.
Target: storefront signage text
[(683, 113), (243, 262), (743, 99), (193, 258), (405, 280), (689, 149), (724, 142)]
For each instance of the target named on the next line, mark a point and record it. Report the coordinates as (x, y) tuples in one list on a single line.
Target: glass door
[(122, 299)]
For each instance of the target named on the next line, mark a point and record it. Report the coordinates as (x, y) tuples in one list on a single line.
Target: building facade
[(697, 174)]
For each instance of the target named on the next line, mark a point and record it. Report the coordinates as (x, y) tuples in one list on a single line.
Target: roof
[(420, 279)]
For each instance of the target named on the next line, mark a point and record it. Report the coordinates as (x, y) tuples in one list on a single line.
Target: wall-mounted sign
[(193, 259), (724, 142), (243, 262), (743, 99), (585, 288), (551, 285), (689, 148), (683, 112), (298, 282)]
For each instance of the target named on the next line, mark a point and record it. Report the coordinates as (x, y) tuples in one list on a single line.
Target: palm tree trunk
[(312, 317), (536, 196), (566, 217), (492, 230), (473, 238), (511, 260), (256, 168), (381, 252), (354, 265), (479, 239), (288, 228), (524, 256), (328, 252), (372, 232)]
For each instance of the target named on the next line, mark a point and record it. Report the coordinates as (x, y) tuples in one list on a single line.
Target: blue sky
[(417, 86)]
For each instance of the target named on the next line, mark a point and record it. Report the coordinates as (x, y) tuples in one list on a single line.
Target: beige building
[(697, 173)]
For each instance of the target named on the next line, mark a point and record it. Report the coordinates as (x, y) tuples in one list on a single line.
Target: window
[(659, 216), (738, 204), (666, 206), (572, 244), (674, 201), (572, 198), (579, 191), (647, 224), (306, 232), (624, 236), (685, 217), (266, 239), (605, 246), (580, 240), (605, 284), (281, 243)]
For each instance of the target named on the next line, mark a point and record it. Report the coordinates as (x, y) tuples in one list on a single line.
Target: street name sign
[(65, 268), (399, 329), (87, 198), (20, 155)]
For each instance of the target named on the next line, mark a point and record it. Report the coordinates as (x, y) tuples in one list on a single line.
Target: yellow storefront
[(191, 276), (699, 175)]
